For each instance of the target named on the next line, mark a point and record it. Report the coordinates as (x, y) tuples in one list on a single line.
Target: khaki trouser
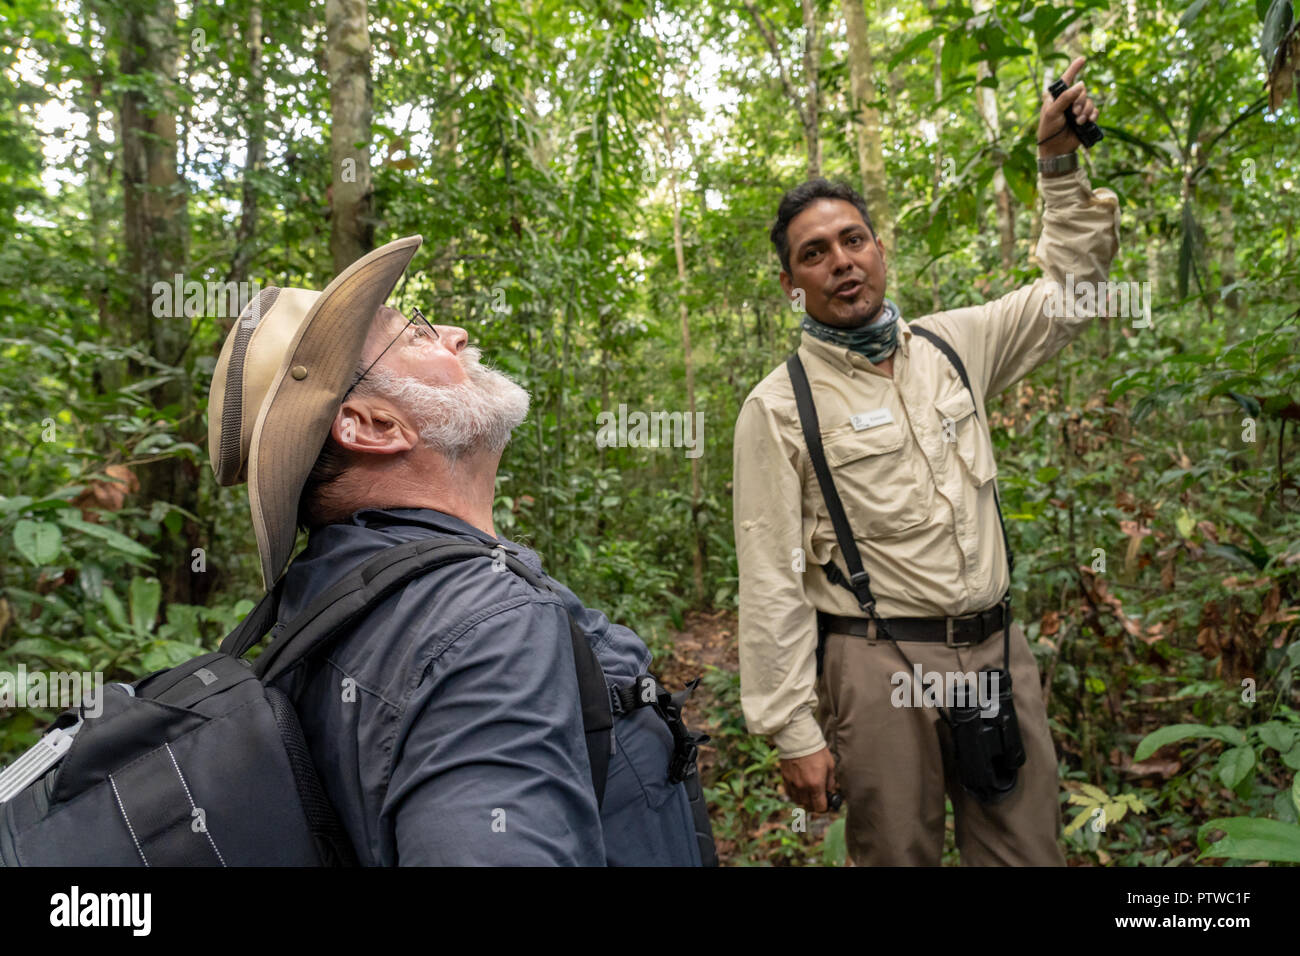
[(893, 772)]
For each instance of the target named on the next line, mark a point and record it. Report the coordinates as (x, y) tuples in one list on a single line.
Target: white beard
[(476, 415)]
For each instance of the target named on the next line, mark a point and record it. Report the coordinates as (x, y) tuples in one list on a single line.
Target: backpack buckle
[(682, 764)]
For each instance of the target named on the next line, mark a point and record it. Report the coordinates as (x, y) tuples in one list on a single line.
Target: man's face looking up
[(428, 388), (418, 353), (837, 262)]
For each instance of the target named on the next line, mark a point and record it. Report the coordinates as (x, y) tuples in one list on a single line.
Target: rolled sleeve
[(778, 624), (490, 766), (1013, 335)]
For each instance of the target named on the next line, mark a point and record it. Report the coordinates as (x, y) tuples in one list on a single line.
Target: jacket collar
[(424, 518)]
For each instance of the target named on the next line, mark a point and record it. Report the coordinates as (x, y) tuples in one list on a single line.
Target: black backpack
[(206, 764)]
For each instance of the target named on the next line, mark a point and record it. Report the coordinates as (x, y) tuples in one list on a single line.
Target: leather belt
[(965, 631)]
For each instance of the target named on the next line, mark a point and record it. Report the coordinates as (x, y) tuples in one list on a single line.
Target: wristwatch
[(1064, 163)]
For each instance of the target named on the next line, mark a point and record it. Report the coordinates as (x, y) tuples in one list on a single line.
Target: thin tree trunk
[(256, 157), (1228, 253), (807, 107), (871, 159), (347, 46), (937, 118), (153, 199), (697, 492), (444, 279), (109, 374), (812, 110), (987, 104)]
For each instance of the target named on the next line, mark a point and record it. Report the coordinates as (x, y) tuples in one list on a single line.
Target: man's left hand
[(1054, 135)]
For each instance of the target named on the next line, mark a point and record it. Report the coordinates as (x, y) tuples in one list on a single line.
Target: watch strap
[(1064, 163)]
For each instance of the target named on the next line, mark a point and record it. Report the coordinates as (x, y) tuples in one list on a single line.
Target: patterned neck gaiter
[(875, 341)]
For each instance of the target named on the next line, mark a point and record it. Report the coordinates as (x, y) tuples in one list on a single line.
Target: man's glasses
[(419, 317)]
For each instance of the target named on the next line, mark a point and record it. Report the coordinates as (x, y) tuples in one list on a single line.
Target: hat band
[(232, 408)]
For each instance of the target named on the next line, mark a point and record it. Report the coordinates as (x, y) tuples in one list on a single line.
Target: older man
[(447, 725)]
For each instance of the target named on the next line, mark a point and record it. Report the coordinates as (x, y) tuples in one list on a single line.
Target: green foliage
[(750, 813), (526, 143)]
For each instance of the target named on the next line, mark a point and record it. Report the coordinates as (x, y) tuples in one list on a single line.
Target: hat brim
[(296, 416)]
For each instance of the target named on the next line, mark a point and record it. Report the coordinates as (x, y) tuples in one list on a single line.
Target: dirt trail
[(708, 640)]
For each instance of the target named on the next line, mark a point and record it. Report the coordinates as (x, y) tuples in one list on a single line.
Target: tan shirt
[(918, 493)]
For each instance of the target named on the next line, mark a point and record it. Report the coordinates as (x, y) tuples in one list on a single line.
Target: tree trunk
[(937, 119), (347, 51), (987, 104), (256, 156), (871, 160), (154, 209), (808, 105), (697, 491), (1228, 253), (109, 374), (812, 108)]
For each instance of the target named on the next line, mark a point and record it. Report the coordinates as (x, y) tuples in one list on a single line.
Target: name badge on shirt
[(877, 416)]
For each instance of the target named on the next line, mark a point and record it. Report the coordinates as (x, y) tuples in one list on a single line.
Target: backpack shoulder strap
[(344, 603)]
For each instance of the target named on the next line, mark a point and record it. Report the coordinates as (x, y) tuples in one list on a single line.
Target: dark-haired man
[(912, 462)]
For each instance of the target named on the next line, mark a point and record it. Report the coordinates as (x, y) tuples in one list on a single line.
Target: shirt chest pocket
[(961, 428), (876, 476)]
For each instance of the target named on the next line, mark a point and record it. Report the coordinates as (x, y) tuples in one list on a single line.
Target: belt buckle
[(947, 640)]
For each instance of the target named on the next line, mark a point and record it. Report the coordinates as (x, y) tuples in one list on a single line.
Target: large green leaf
[(1276, 24), (1176, 732), (834, 845), (1277, 735), (114, 539), (1192, 13), (1248, 838), (915, 45), (145, 596), (38, 541), (1235, 764), (113, 605)]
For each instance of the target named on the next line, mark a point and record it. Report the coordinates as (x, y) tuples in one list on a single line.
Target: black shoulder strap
[(957, 363), (858, 582), (334, 611)]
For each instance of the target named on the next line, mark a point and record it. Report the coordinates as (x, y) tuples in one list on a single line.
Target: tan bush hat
[(277, 387)]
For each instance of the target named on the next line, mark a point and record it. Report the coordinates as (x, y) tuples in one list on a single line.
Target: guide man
[(906, 452)]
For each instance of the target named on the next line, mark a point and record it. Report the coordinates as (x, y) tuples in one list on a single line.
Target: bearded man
[(446, 725)]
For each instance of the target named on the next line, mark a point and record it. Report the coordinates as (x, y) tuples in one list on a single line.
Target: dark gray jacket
[(447, 729)]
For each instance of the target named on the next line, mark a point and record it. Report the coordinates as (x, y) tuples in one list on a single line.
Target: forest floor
[(709, 641)]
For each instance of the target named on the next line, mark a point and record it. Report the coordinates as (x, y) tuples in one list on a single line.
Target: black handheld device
[(1088, 133), (986, 746)]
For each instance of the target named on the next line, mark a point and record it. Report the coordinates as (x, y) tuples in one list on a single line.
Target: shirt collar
[(846, 360)]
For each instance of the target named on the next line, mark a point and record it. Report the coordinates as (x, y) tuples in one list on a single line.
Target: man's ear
[(787, 283), (372, 428)]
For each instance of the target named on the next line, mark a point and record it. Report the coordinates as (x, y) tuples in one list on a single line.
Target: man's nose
[(452, 337), (839, 258)]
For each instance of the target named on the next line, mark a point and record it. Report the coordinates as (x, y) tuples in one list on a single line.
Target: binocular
[(987, 750)]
